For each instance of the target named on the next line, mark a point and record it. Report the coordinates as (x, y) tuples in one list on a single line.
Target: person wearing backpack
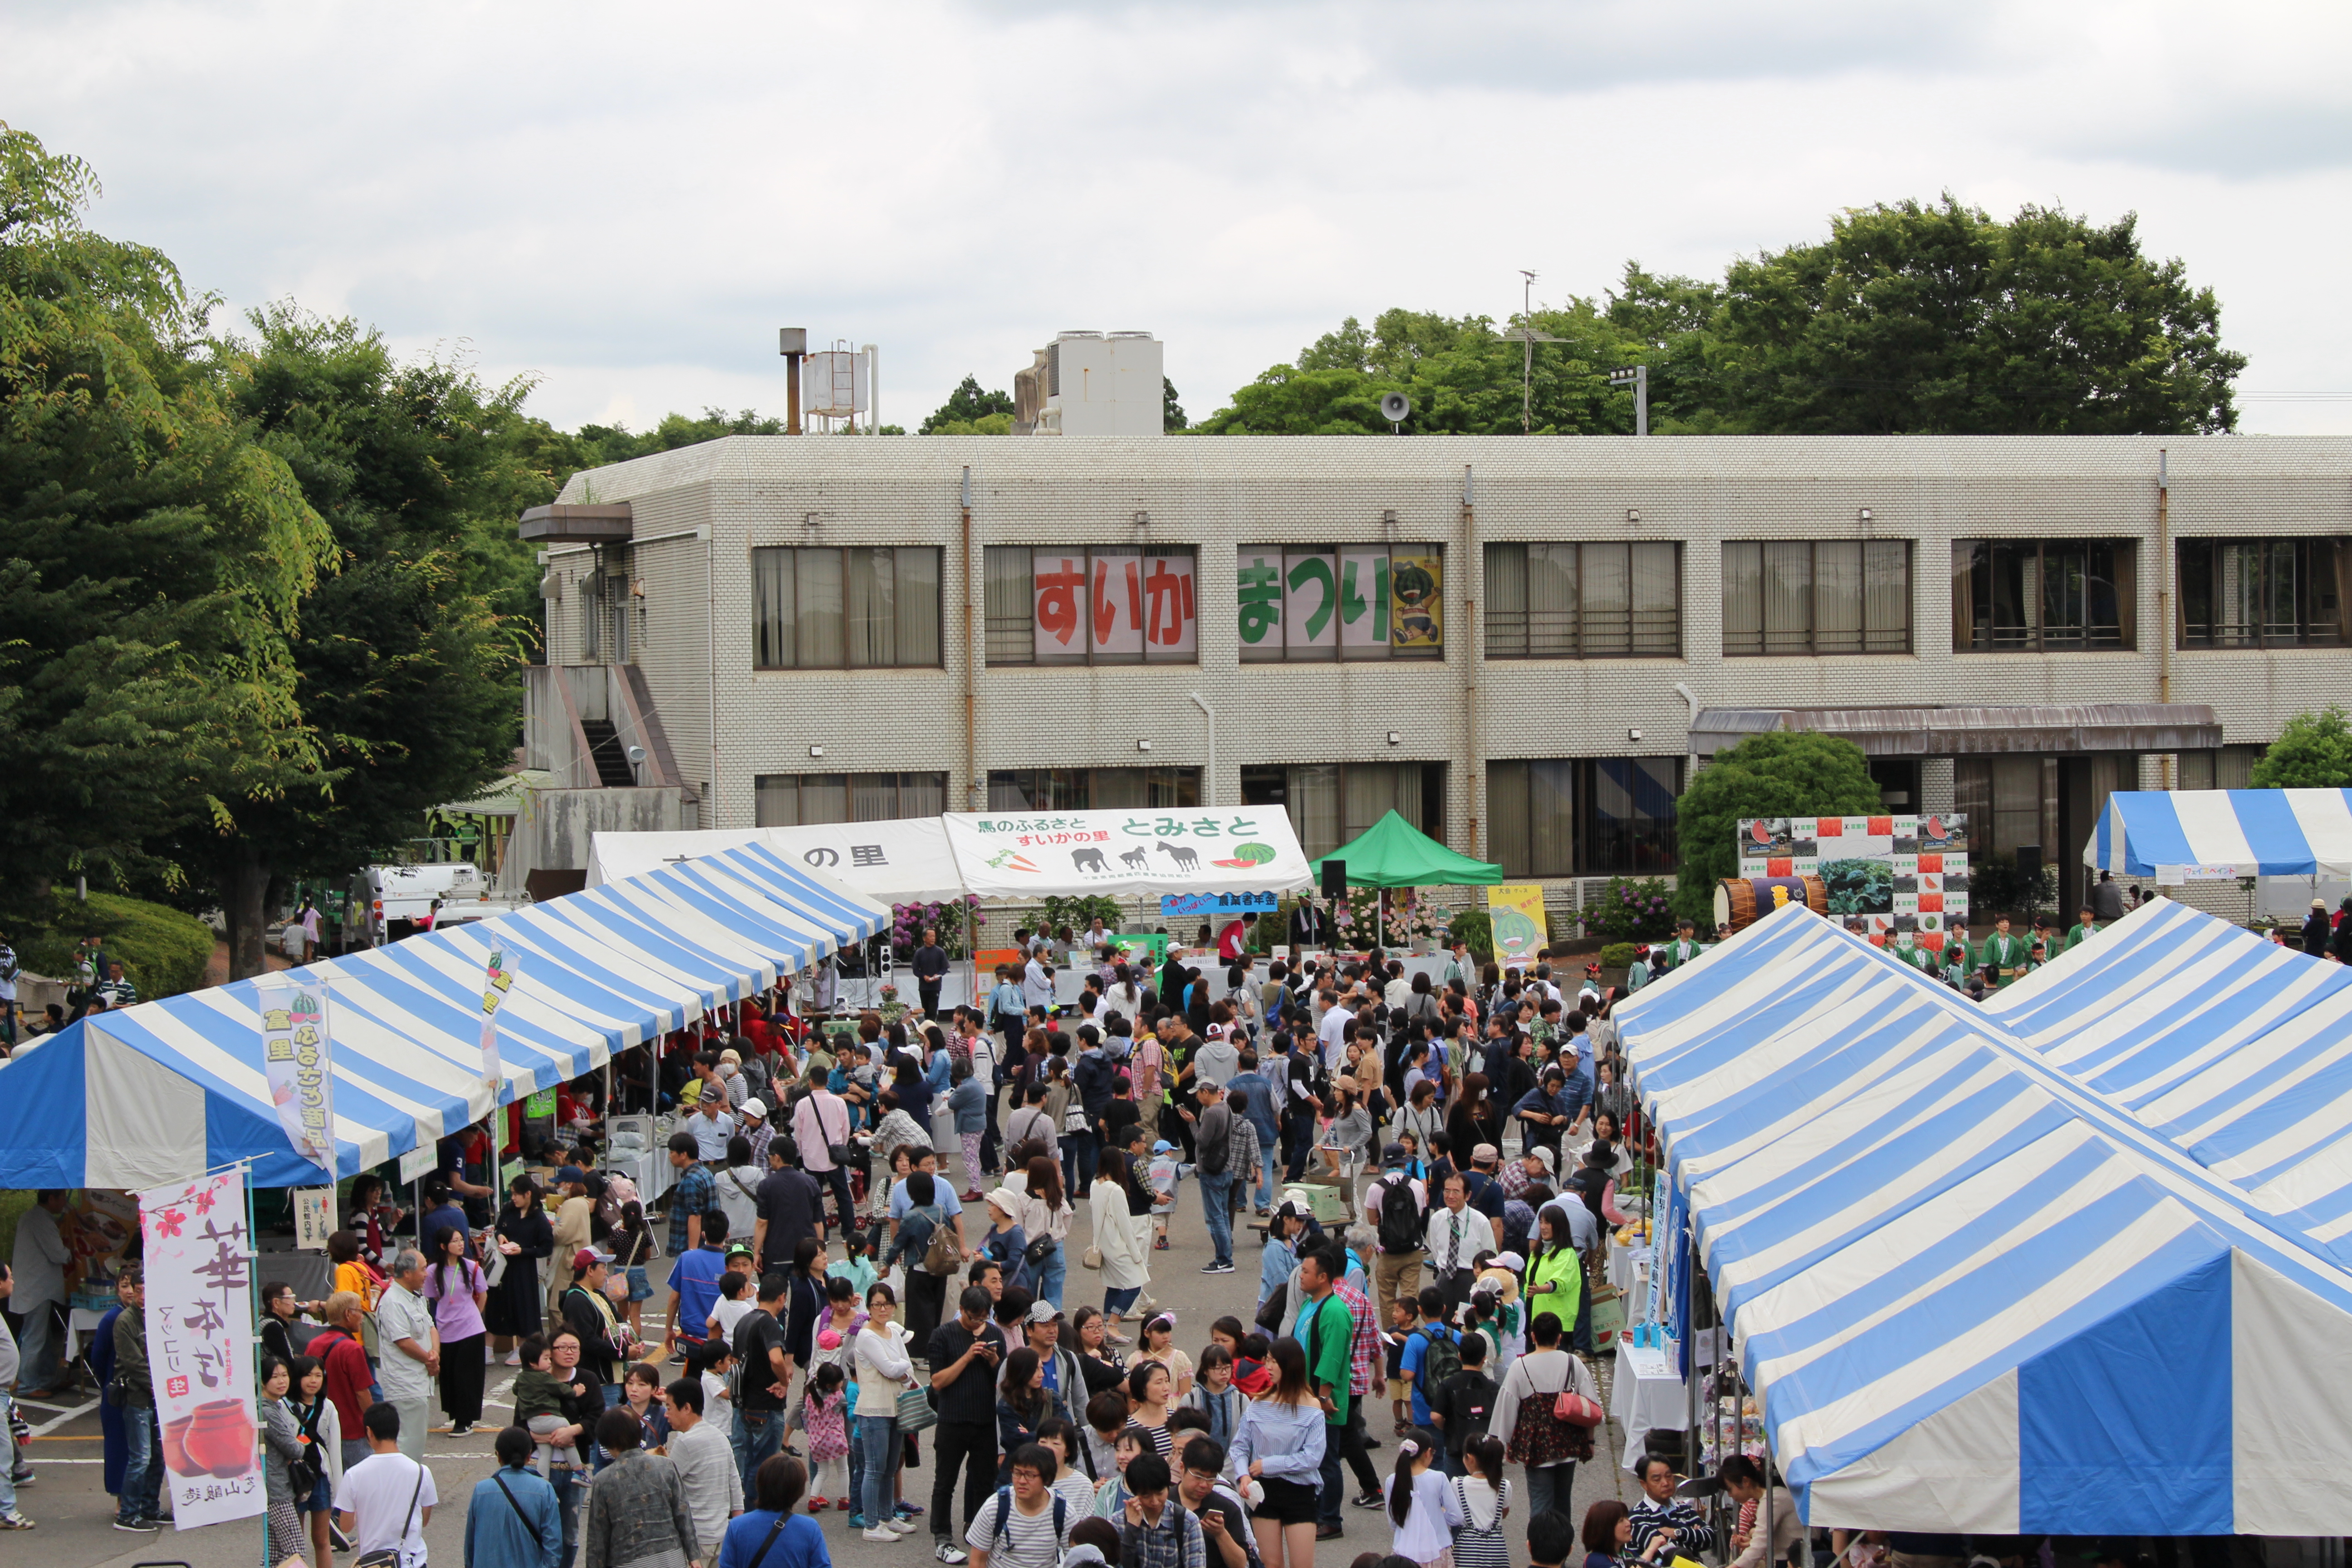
[(1395, 1205), (1028, 1525), (1432, 1353), (1212, 1166)]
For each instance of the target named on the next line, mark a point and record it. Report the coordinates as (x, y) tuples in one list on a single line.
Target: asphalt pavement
[(75, 1517)]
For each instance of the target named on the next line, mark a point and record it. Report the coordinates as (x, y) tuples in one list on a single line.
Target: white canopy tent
[(904, 860)]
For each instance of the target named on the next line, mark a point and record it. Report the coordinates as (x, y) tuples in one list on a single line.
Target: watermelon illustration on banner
[(200, 1347), (296, 1053), (498, 979)]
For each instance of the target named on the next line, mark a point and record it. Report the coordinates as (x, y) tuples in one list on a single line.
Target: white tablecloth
[(1647, 1394)]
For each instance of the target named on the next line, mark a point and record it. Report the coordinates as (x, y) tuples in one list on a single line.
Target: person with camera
[(964, 1357)]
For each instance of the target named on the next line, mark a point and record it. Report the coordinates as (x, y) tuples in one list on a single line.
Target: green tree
[(1171, 413), (1910, 318), (405, 668), (153, 555), (2313, 752), (1463, 375), (1935, 320), (1779, 773), (966, 406)]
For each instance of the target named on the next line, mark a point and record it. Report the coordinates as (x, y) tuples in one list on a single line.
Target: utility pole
[(1527, 372), (1636, 376), (1526, 333)]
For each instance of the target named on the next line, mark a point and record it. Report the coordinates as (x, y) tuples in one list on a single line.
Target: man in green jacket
[(2003, 954), (1326, 1331), (2086, 926)]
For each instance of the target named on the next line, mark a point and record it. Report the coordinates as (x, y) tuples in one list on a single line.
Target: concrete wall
[(1218, 493), (552, 826)]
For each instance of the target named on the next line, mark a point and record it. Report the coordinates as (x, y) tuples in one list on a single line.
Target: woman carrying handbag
[(1541, 1411)]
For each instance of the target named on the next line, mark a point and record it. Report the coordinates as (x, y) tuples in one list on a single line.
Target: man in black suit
[(1309, 926)]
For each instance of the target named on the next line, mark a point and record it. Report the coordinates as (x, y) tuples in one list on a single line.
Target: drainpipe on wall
[(708, 815), (972, 794), (1683, 691), (1472, 568), (1208, 775), (2163, 596)]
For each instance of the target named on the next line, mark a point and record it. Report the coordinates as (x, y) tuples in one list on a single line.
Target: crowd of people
[(867, 1238)]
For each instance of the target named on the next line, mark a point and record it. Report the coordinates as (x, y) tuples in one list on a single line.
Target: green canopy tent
[(1393, 853)]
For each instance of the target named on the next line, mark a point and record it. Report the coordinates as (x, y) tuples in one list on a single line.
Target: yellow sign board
[(1517, 913)]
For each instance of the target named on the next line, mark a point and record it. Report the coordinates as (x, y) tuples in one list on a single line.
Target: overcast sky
[(625, 201)]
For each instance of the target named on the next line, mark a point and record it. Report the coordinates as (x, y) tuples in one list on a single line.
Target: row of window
[(880, 608)]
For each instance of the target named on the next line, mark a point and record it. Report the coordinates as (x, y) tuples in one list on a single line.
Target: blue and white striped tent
[(2224, 832), (161, 1090), (2235, 1050), (1969, 1294)]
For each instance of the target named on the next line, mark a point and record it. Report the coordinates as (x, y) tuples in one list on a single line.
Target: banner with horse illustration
[(1147, 850)]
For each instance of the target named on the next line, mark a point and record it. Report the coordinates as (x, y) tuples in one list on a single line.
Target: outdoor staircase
[(611, 759)]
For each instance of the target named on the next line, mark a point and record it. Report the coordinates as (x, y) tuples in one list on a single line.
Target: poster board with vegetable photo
[(1907, 878)]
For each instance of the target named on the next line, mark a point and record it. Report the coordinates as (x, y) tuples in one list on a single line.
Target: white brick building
[(1763, 572)]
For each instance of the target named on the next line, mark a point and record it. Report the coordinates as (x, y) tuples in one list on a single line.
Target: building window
[(2016, 795), (809, 800), (1584, 601), (1101, 605), (2036, 595), (1317, 603), (1817, 597), (1331, 803), (2265, 593), (1092, 789), (845, 609), (2225, 767), (1584, 816)]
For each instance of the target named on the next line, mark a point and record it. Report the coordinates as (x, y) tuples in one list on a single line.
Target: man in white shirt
[(705, 1464), (38, 1265), (1455, 1232), (1036, 1523), (410, 1347), (1326, 1034), (386, 1500), (820, 1120), (712, 1124), (1037, 981)]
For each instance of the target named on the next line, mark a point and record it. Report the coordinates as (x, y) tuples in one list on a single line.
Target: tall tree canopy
[(153, 554), (1917, 319), (966, 407), (1779, 773), (404, 669)]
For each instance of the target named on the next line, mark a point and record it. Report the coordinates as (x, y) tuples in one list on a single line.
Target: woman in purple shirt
[(454, 1283)]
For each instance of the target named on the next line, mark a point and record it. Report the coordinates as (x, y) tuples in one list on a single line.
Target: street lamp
[(1636, 376)]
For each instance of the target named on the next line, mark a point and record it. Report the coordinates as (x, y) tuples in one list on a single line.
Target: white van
[(393, 901)]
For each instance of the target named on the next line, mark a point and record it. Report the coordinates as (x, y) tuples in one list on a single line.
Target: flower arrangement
[(946, 917), (1631, 908)]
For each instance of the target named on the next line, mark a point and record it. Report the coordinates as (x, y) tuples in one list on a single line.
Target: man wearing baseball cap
[(1484, 1187), (1065, 1382)]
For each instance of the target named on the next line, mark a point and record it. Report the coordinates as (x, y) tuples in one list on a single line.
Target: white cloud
[(626, 201)]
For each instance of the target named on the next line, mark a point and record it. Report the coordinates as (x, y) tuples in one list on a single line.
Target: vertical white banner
[(296, 1053), (200, 1346), (498, 978)]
